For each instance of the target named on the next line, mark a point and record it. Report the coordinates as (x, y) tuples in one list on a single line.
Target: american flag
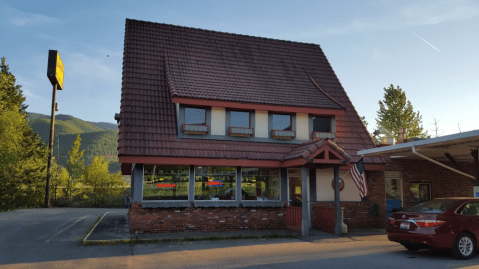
[(359, 177)]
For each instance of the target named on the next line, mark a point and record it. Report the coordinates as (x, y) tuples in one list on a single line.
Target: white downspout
[(414, 151)]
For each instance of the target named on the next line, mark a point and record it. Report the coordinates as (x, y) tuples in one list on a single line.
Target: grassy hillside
[(96, 141)]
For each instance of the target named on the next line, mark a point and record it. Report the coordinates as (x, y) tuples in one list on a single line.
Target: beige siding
[(218, 121), (302, 126), (325, 192), (261, 124)]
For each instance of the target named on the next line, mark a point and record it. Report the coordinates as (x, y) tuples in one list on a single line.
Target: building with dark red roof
[(228, 132)]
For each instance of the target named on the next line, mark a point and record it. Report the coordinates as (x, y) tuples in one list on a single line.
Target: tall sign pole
[(55, 75)]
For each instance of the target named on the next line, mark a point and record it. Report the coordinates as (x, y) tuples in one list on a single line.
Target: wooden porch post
[(306, 221), (337, 204)]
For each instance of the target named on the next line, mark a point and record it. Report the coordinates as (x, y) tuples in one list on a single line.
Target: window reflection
[(261, 184), (195, 115), (321, 124), (239, 119), (281, 122), (420, 192), (165, 182), (215, 183)]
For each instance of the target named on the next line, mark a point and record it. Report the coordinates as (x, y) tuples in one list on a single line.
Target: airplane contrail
[(405, 27), (425, 41)]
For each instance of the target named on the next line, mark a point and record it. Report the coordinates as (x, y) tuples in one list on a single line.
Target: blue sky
[(429, 48)]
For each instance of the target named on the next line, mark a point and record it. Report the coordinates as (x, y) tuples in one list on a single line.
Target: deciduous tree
[(104, 185), (75, 164)]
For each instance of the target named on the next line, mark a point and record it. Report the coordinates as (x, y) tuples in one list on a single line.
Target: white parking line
[(94, 227), (50, 239)]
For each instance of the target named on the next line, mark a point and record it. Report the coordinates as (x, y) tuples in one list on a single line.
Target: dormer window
[(322, 124), (194, 115), (281, 122), (323, 127), (240, 119), (195, 121), (282, 127), (240, 124)]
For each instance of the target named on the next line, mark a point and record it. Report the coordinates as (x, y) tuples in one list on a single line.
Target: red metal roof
[(163, 61)]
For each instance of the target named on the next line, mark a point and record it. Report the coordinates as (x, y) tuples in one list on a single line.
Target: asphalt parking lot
[(53, 238), (37, 235)]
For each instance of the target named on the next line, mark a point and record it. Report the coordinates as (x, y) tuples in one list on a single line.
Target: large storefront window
[(215, 183), (420, 192), (165, 182), (261, 184)]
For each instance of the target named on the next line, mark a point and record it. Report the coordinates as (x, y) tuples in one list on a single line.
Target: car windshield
[(433, 206)]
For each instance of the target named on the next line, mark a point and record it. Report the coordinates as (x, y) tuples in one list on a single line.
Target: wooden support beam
[(453, 161)]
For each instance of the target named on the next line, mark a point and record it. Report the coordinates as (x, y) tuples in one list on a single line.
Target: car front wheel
[(464, 246)]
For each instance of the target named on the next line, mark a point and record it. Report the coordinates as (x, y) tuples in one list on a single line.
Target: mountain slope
[(105, 125), (95, 140)]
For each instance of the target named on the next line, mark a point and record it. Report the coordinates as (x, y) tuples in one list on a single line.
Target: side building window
[(261, 184), (215, 183), (420, 192), (165, 182)]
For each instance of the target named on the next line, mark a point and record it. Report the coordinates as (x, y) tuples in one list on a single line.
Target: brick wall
[(356, 214), (163, 220), (444, 182)]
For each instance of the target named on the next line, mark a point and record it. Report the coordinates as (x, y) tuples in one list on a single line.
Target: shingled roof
[(163, 61)]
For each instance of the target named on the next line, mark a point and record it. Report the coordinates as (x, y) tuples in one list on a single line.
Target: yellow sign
[(297, 190), (55, 69)]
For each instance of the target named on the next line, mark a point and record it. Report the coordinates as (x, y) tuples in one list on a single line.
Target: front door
[(393, 191), (295, 187)]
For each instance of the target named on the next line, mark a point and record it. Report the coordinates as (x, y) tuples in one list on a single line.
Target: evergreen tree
[(12, 95), (395, 112), (23, 157)]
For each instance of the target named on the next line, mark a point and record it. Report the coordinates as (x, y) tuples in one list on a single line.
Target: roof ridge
[(228, 33), (329, 96)]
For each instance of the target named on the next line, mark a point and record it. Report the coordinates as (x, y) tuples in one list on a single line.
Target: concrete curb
[(185, 239)]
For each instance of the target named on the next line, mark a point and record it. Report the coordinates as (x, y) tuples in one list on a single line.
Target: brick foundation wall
[(210, 219)]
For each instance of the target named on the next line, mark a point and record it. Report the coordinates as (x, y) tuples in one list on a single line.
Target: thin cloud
[(415, 14), (31, 86), (17, 18)]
